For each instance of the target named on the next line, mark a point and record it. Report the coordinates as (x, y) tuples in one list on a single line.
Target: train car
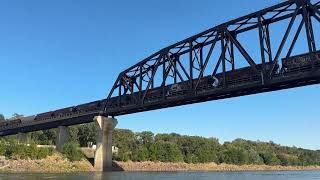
[(239, 76), (102, 103), (92, 106), (178, 89), (4, 123), (206, 82), (155, 95), (301, 62), (112, 102), (28, 119), (13, 122), (64, 111), (44, 116), (246, 74)]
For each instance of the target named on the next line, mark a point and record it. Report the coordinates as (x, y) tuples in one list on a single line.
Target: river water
[(274, 175)]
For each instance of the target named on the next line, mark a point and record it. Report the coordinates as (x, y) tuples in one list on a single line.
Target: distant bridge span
[(272, 49)]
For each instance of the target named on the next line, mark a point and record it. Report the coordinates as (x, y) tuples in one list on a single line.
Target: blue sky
[(66, 52)]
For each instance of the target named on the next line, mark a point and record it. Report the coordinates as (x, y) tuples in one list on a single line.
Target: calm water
[(306, 175)]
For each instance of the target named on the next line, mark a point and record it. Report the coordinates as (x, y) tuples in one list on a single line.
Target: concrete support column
[(22, 138), (103, 154), (62, 137)]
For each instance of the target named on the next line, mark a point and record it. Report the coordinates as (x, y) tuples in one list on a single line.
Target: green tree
[(126, 141), (270, 158), (87, 133), (145, 138), (165, 152), (140, 154), (45, 137), (235, 155), (74, 130), (72, 151)]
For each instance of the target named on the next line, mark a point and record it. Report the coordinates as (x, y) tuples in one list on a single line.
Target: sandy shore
[(58, 164)]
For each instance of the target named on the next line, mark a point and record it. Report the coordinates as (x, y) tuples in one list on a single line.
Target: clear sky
[(59, 53)]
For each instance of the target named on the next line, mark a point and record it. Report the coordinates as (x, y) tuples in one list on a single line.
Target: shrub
[(44, 152), (72, 151), (14, 150)]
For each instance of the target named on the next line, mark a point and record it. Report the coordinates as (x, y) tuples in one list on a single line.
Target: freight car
[(233, 78), (92, 106), (14, 122), (28, 119), (301, 63), (246, 75), (4, 123), (63, 112), (236, 77), (44, 116), (18, 121)]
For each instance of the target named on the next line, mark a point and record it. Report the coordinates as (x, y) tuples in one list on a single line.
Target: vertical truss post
[(201, 61), (191, 64), (232, 55), (174, 70), (223, 58), (140, 81), (308, 28), (120, 92), (152, 78), (163, 79)]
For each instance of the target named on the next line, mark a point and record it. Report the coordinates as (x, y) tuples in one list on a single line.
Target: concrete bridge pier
[(22, 138), (62, 137), (103, 154)]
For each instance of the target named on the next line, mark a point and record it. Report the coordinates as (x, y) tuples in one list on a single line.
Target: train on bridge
[(240, 77), (211, 65)]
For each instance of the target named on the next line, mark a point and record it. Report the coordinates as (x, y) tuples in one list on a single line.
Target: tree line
[(194, 149), (147, 146)]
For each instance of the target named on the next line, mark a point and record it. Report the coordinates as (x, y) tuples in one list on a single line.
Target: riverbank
[(58, 164), (160, 166), (52, 164)]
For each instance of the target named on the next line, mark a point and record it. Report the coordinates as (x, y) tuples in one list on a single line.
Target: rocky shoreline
[(58, 164)]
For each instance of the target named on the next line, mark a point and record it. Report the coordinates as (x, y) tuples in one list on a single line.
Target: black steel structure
[(272, 49), (216, 51)]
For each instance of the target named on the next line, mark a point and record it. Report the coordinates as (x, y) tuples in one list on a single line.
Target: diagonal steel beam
[(242, 51), (295, 39), (284, 39)]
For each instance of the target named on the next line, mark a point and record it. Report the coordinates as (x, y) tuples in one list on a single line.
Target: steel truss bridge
[(240, 57)]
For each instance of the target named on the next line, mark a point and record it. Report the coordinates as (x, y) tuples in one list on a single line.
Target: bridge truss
[(217, 52)]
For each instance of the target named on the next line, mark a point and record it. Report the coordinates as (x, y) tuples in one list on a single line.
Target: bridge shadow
[(91, 160), (115, 165)]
